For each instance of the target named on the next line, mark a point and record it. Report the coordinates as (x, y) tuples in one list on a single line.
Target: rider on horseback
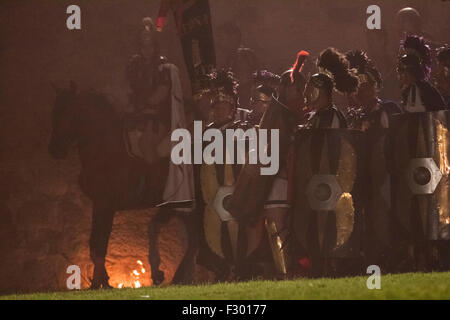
[(150, 83), (158, 109)]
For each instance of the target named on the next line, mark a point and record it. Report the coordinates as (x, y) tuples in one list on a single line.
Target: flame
[(135, 277)]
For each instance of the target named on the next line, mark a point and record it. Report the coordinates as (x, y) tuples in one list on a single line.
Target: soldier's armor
[(422, 96), (144, 77), (330, 117)]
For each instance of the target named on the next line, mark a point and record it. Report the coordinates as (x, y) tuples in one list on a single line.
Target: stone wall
[(44, 217)]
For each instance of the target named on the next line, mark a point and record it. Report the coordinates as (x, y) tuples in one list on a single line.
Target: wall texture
[(44, 217)]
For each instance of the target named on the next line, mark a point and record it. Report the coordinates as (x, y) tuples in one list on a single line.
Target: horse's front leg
[(102, 221)]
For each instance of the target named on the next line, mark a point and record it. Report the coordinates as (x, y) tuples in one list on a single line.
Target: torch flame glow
[(135, 277)]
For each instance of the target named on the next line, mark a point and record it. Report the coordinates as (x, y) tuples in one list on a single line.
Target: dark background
[(44, 217)]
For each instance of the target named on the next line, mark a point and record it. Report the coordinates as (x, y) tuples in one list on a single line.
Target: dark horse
[(111, 178)]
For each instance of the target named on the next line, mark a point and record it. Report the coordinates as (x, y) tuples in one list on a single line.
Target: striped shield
[(420, 174), (327, 207)]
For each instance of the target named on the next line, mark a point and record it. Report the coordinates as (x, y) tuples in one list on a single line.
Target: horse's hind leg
[(161, 217), (102, 221), (185, 270)]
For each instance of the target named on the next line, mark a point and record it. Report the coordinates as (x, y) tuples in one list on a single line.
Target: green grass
[(400, 286)]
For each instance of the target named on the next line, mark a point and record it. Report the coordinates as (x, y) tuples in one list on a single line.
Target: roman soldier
[(414, 66), (216, 182), (272, 221), (333, 73), (366, 109), (326, 201), (268, 212), (369, 113), (416, 147), (443, 73)]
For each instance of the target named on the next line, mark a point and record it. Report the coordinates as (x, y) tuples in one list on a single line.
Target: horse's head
[(64, 121)]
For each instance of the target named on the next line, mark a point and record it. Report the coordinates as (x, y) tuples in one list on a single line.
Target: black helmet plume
[(335, 66), (359, 61)]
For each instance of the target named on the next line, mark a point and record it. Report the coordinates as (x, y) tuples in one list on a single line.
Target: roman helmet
[(224, 86), (334, 73), (415, 57)]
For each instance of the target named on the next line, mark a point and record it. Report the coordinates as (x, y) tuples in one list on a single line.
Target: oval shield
[(420, 174), (327, 208)]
